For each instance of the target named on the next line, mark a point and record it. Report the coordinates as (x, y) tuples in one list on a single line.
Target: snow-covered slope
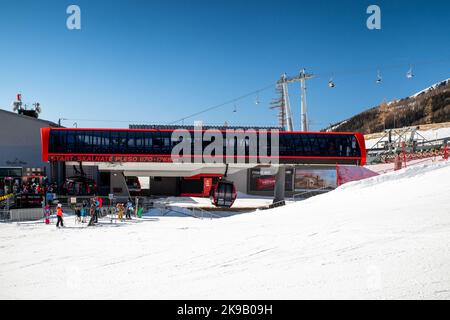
[(428, 134), (383, 237)]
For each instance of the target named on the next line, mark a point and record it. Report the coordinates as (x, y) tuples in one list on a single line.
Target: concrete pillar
[(118, 182), (58, 172), (280, 186)]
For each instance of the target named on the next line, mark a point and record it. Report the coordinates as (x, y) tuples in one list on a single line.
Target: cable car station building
[(113, 156)]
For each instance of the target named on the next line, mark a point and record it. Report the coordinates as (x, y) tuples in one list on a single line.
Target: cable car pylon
[(283, 84), (286, 113)]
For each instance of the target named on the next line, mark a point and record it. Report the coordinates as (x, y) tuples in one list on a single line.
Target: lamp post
[(59, 121)]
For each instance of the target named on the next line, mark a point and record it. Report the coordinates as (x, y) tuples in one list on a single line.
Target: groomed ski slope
[(382, 238)]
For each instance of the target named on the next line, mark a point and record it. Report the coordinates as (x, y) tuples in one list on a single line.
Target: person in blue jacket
[(83, 212), (129, 209)]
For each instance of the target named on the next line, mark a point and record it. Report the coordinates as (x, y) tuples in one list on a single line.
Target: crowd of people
[(36, 187), (90, 208)]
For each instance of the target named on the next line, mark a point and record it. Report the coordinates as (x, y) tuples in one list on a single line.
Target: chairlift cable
[(256, 92)]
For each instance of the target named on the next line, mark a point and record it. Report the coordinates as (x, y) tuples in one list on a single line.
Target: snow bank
[(243, 201), (382, 168), (383, 237), (353, 173)]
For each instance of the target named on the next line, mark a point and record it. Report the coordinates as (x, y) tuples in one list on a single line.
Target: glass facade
[(10, 172), (321, 145), (160, 143)]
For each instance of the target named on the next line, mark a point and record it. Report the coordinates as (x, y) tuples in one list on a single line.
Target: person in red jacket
[(59, 215)]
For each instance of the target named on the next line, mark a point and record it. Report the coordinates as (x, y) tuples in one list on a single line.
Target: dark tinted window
[(154, 142)]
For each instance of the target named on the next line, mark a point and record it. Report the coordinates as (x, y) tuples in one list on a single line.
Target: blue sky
[(157, 61)]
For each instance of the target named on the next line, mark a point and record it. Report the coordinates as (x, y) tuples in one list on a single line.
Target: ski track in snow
[(386, 237)]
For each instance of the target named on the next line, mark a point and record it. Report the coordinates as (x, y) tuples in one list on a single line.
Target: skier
[(78, 214), (59, 214), (83, 212), (120, 211), (96, 210), (129, 209)]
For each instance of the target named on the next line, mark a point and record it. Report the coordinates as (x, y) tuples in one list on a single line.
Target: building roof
[(46, 122), (205, 127)]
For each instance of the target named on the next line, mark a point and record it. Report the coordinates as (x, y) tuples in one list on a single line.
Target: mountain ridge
[(428, 106)]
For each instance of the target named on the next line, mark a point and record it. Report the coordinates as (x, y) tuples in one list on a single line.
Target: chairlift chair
[(331, 84), (257, 99), (379, 78), (410, 74)]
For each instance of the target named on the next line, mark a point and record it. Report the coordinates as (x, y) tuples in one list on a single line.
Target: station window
[(154, 142)]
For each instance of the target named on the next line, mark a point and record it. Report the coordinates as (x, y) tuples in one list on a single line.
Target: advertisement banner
[(264, 180), (311, 179)]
